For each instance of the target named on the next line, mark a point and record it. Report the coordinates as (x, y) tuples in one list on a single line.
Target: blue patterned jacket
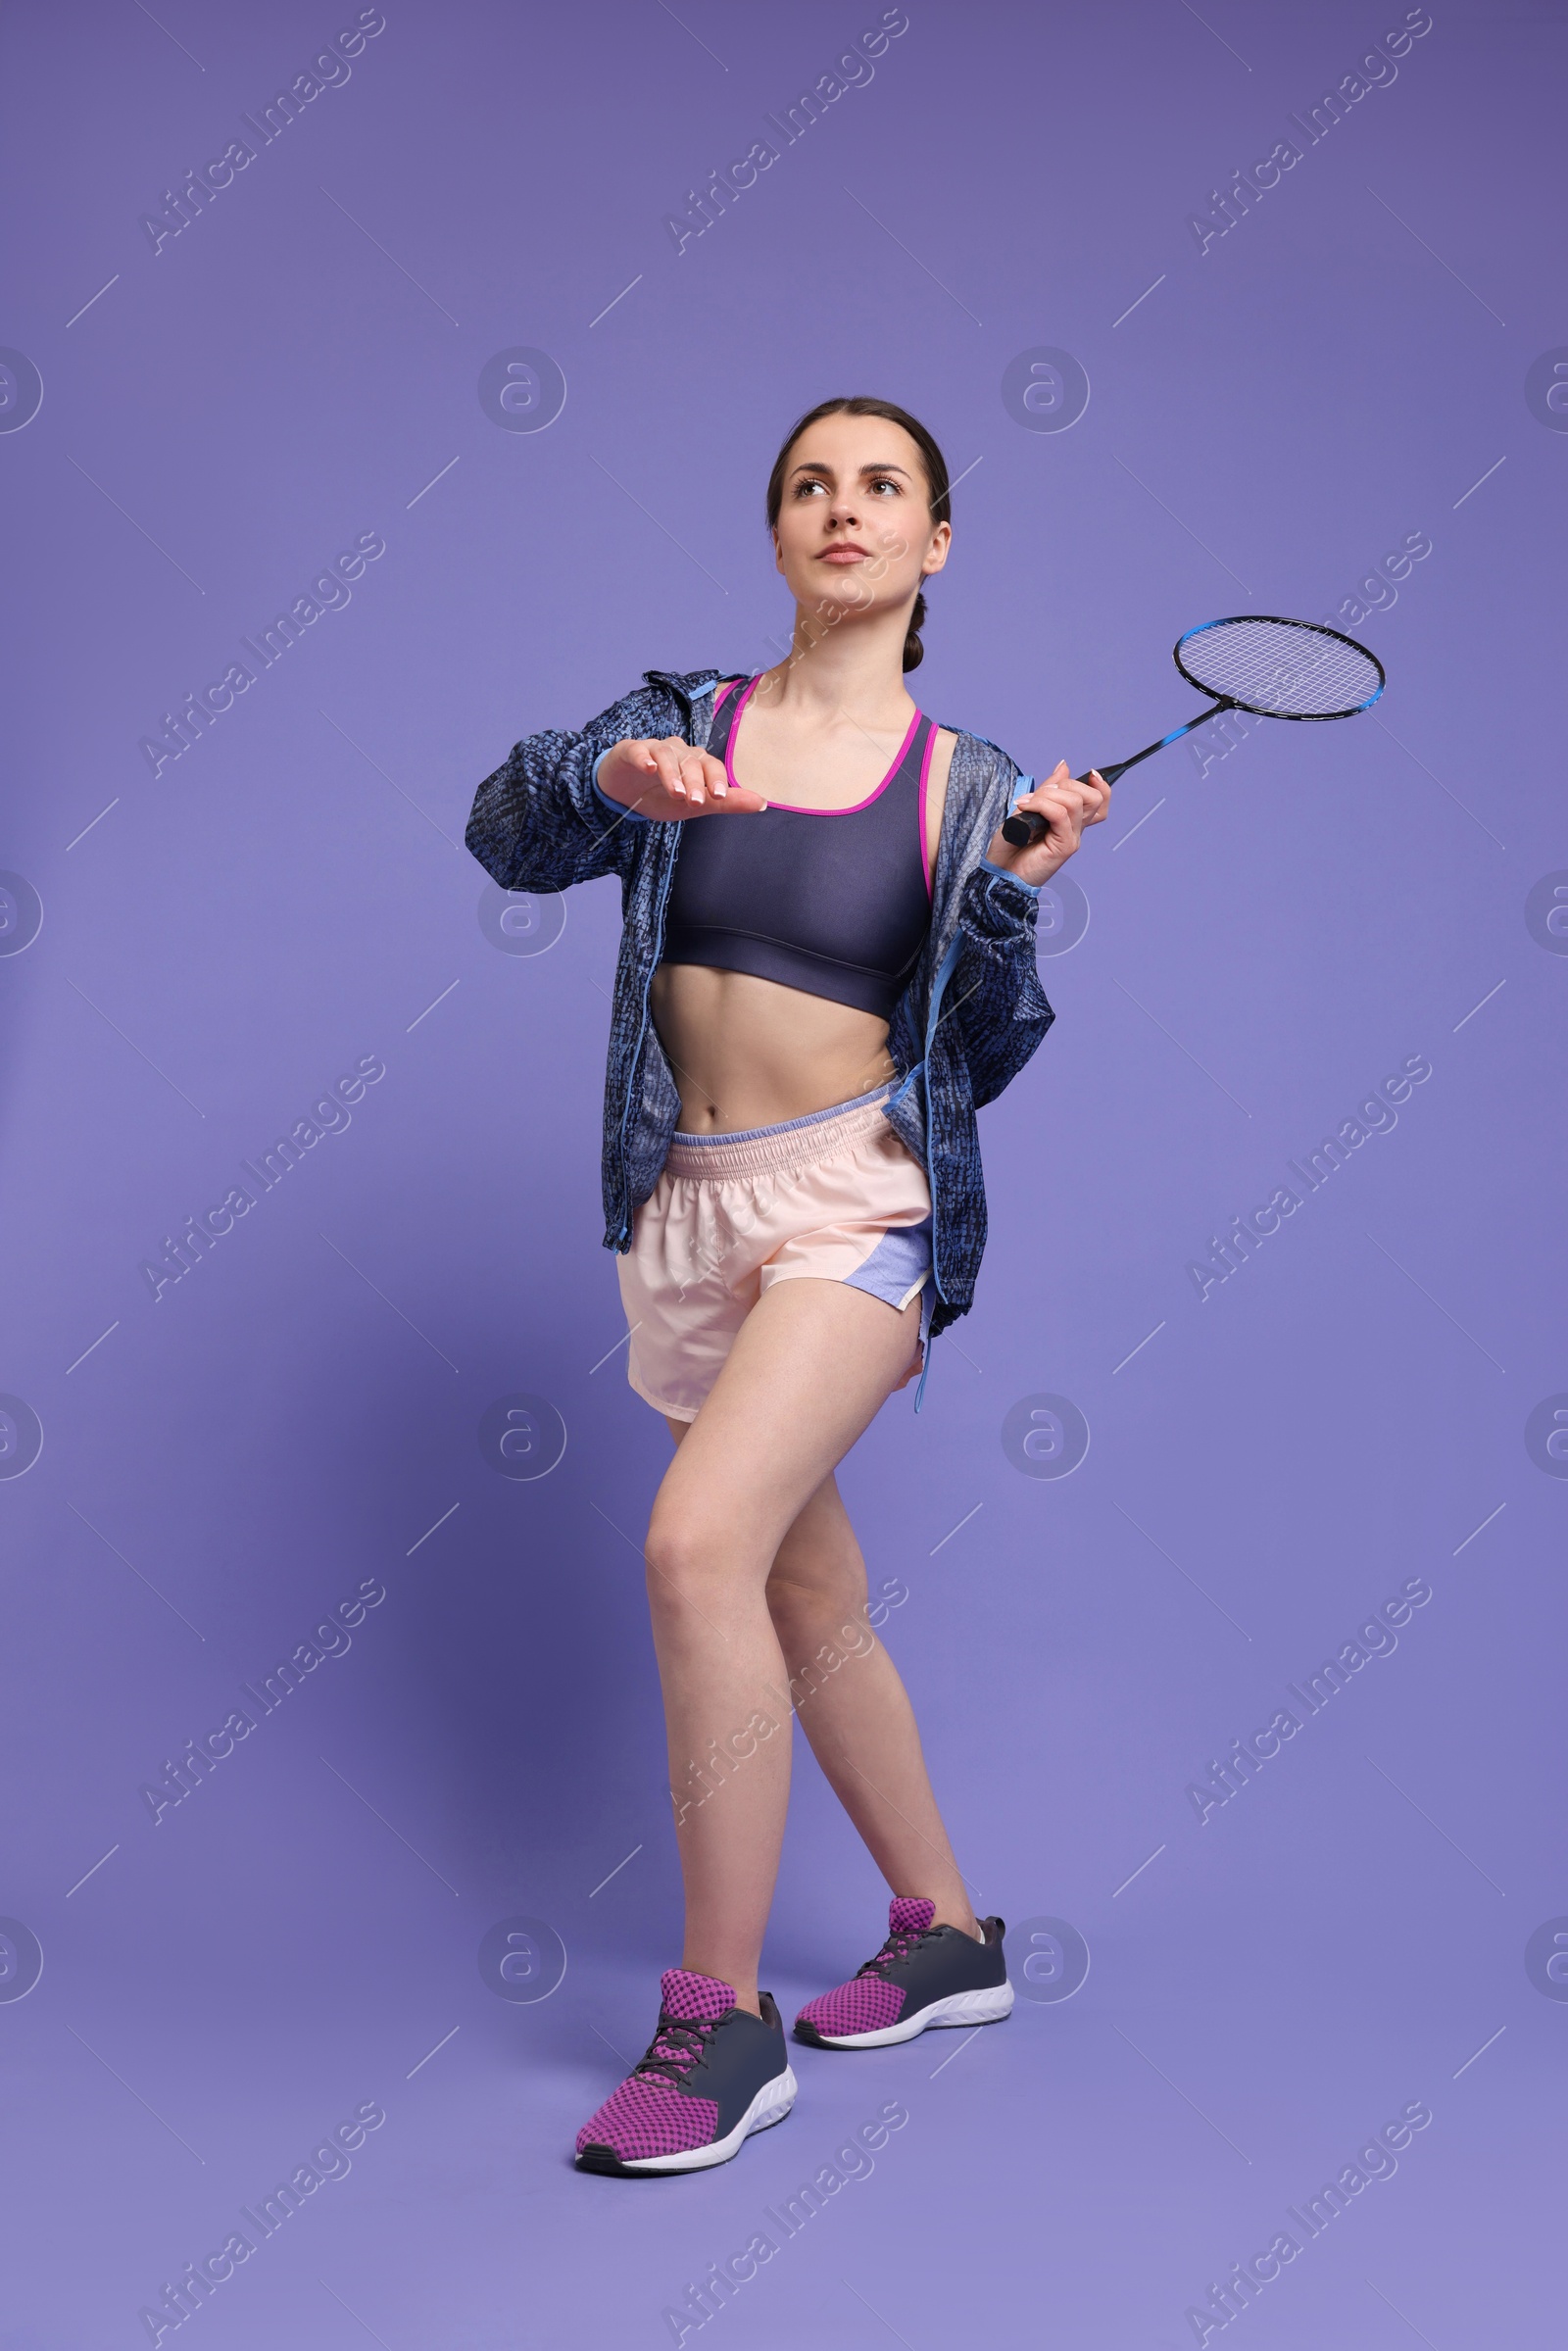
[(970, 1017)]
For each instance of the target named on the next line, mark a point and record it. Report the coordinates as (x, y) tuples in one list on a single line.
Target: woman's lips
[(843, 555)]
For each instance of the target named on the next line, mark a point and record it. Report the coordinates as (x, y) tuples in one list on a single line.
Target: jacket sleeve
[(994, 993), (538, 823)]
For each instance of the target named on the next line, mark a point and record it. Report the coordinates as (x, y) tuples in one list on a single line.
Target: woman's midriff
[(748, 1053)]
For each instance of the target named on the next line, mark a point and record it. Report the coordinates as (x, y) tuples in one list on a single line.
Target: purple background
[(222, 1467)]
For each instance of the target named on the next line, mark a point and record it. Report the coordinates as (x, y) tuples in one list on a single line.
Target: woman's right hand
[(663, 777)]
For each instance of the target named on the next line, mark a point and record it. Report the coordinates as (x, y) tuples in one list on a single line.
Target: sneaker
[(712, 2074), (922, 1976)]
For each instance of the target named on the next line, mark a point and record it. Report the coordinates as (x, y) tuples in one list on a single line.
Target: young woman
[(827, 966)]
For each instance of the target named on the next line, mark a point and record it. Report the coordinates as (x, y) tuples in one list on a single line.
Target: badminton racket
[(1269, 667)]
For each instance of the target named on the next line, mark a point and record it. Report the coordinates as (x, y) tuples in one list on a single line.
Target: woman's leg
[(811, 1366), (856, 1711), (852, 1705)]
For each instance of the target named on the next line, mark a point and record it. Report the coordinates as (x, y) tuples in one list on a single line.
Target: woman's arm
[(993, 989), (994, 993), (537, 823)]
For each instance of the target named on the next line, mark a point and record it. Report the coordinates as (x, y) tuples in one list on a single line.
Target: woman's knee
[(688, 1557)]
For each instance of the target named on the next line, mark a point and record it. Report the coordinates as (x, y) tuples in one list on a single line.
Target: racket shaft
[(1025, 826)]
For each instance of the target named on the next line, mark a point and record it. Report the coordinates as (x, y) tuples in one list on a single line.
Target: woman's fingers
[(1068, 802), (1055, 805), (709, 791), (691, 774), (1064, 803), (704, 774), (725, 796), (680, 781), (668, 756)]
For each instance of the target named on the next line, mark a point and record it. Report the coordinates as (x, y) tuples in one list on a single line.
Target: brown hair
[(933, 462)]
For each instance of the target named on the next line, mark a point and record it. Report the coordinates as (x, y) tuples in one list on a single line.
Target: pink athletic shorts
[(835, 1197)]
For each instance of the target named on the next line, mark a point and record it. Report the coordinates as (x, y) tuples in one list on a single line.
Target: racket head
[(1277, 668)]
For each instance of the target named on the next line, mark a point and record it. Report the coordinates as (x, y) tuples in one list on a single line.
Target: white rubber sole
[(770, 2105), (987, 2007)]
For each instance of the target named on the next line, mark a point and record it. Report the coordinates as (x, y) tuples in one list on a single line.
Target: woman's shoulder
[(978, 764), (979, 790), (691, 683)]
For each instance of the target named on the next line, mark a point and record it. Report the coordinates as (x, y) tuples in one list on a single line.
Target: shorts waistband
[(794, 1143)]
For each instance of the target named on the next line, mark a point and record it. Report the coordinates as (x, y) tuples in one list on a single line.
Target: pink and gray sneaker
[(714, 2073), (922, 1976)]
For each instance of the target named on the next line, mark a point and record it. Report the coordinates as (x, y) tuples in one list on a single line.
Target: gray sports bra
[(835, 902)]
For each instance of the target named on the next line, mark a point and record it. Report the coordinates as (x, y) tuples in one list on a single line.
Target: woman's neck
[(853, 666)]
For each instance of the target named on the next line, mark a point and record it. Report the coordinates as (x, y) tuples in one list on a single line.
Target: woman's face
[(854, 532)]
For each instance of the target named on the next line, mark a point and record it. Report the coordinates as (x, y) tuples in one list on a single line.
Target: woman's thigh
[(811, 1367)]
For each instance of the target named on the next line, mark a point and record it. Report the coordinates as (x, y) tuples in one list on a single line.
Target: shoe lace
[(677, 2045), (900, 1944)]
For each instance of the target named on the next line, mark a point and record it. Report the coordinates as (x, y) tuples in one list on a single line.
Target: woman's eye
[(885, 481)]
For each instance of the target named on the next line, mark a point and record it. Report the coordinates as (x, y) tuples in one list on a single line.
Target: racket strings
[(1281, 668)]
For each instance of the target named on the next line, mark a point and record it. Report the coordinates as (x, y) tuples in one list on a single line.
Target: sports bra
[(834, 901)]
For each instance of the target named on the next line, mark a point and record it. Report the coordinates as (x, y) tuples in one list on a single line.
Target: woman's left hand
[(1067, 806)]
